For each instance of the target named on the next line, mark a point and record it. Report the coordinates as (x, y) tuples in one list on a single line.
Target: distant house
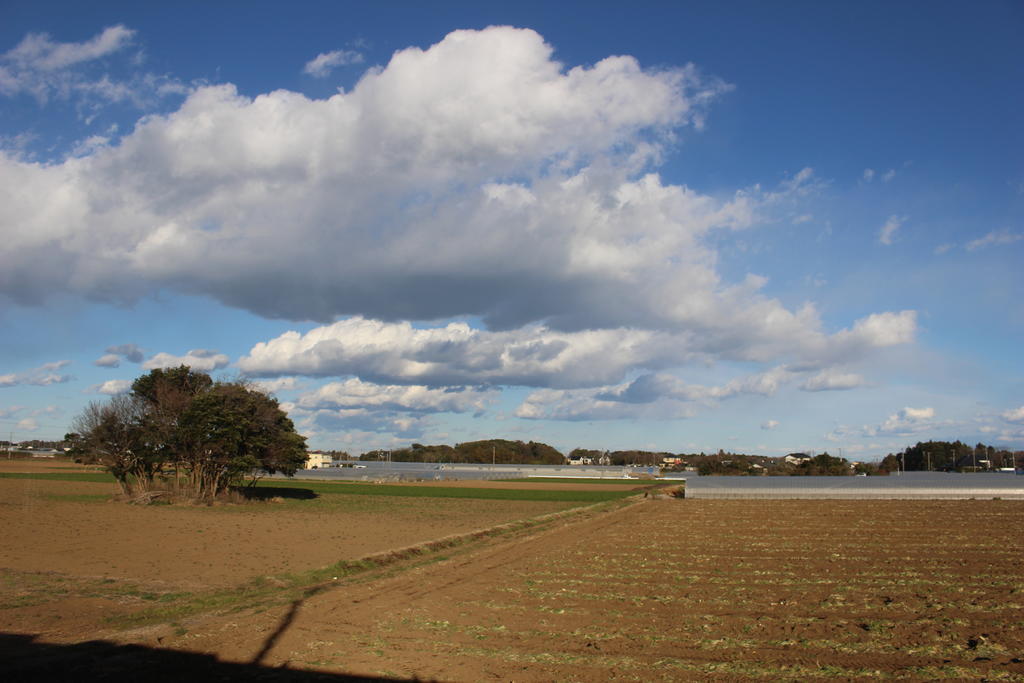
[(796, 458), (317, 460)]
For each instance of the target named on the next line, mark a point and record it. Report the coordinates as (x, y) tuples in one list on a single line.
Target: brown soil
[(193, 548), (665, 590), (657, 590)]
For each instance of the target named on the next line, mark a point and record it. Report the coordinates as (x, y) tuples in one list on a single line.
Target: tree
[(824, 464), (111, 435), (166, 395), (231, 430), (210, 434)]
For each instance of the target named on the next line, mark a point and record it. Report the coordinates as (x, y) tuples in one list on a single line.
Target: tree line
[(934, 455), (497, 451), (950, 456)]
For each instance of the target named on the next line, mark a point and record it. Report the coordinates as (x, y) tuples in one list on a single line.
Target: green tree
[(231, 430), (890, 463), (824, 464), (210, 434), (166, 395)]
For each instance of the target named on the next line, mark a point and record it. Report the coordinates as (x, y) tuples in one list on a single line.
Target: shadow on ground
[(24, 659), (268, 492)]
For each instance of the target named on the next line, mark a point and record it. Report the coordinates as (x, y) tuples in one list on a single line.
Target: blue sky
[(762, 227)]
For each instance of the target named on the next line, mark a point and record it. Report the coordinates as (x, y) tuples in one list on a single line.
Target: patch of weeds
[(366, 489), (876, 626), (77, 497)]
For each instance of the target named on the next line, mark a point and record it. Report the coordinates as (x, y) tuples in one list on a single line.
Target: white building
[(317, 460)]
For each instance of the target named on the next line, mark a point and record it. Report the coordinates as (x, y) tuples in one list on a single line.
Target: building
[(317, 460)]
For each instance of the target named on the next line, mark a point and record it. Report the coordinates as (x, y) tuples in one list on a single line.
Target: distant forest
[(498, 451), (944, 456)]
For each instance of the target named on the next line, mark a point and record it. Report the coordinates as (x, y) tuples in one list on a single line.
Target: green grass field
[(366, 489), (583, 480), (96, 477), (369, 489)]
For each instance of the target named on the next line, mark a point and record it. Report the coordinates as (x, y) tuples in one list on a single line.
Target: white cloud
[(397, 424), (888, 231), (594, 404), (540, 357), (943, 248), (44, 375), (905, 422), (994, 238), (917, 413), (656, 396), (221, 175), (870, 173), (28, 424), (48, 69), (769, 425), (831, 380), (130, 352), (89, 145), (1014, 415), (112, 358), (197, 359), (325, 62), (476, 178), (279, 384), (653, 387), (112, 387), (878, 330), (458, 354), (39, 52), (354, 394)]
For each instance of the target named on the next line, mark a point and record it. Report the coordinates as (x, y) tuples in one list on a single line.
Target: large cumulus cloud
[(478, 176), (535, 355)]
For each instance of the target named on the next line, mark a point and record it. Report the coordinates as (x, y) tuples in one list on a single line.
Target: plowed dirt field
[(648, 590)]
